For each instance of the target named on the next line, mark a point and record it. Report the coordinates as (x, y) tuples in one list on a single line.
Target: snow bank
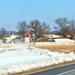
[(64, 41), (20, 58), (59, 41)]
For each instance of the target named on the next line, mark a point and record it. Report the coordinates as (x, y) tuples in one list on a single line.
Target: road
[(66, 70)]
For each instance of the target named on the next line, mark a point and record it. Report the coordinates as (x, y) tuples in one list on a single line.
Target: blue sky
[(13, 11)]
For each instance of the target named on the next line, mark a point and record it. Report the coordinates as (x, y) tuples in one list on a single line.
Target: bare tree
[(72, 24), (35, 26), (2, 34), (63, 25), (45, 27), (3, 31), (39, 28), (71, 32), (22, 27)]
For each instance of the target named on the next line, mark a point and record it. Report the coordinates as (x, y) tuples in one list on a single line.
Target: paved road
[(67, 70)]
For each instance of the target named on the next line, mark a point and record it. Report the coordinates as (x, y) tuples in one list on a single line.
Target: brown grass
[(58, 48)]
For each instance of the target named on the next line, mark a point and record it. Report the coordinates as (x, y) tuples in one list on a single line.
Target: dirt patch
[(58, 48)]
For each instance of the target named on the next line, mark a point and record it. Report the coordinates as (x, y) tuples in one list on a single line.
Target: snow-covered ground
[(21, 58), (59, 41)]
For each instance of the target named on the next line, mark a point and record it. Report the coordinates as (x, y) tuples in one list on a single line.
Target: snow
[(64, 41), (21, 58), (58, 41)]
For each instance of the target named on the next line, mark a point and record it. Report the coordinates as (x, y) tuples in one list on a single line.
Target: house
[(11, 37), (52, 36)]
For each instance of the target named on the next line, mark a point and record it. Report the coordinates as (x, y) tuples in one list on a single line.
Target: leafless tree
[(2, 34), (22, 27), (71, 32), (39, 28), (63, 25), (3, 31)]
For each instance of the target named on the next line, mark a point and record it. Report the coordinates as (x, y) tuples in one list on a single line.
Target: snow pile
[(64, 41), (21, 58), (59, 41)]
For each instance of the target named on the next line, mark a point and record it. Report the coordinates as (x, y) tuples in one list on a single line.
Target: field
[(42, 57), (58, 48)]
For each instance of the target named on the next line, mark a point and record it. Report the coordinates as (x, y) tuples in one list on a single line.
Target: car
[(45, 40), (41, 40)]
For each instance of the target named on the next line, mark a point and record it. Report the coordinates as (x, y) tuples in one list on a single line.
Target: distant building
[(9, 38), (52, 36)]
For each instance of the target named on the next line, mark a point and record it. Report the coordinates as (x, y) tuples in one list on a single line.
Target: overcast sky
[(13, 11)]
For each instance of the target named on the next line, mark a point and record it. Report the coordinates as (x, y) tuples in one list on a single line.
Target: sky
[(14, 11)]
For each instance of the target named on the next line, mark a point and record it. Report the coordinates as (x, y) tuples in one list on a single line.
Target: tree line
[(34, 26), (65, 27)]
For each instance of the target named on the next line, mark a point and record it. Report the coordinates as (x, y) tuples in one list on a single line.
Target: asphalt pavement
[(66, 70)]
